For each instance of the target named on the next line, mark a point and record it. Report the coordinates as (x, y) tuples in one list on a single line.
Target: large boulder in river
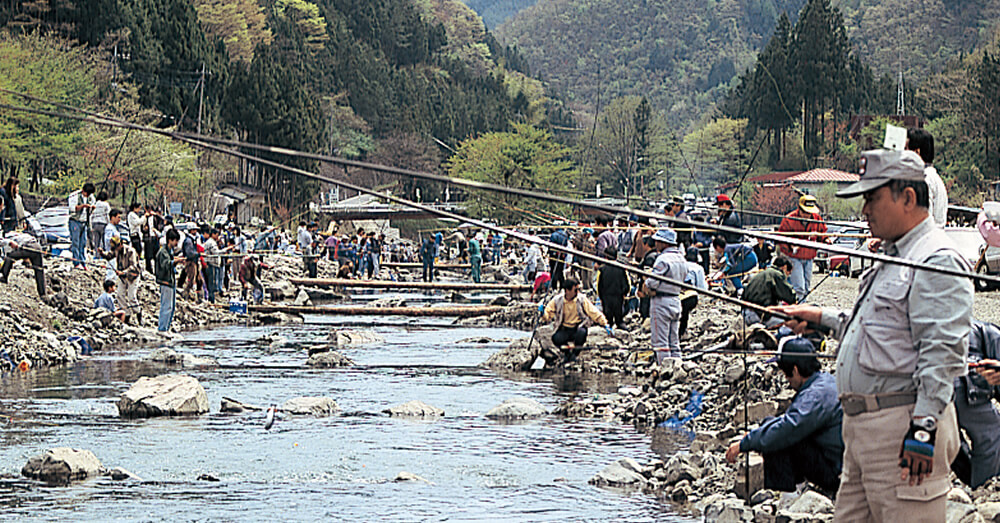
[(302, 299), (167, 395), (329, 359), (521, 353), (415, 409), (517, 408), (171, 357), (62, 465), (345, 338), (311, 406), (282, 290)]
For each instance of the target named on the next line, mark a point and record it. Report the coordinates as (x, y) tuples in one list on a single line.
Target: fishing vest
[(885, 341)]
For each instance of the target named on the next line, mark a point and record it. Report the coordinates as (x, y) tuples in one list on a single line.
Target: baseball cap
[(723, 198), (793, 348), (881, 166)]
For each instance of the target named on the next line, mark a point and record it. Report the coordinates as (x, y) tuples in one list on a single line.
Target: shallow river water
[(335, 468)]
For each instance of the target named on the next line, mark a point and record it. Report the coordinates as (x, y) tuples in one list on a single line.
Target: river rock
[(62, 465), (169, 356), (406, 477), (344, 338), (167, 395), (387, 303), (517, 356), (311, 405), (236, 407), (275, 318), (958, 495), (727, 511), (811, 503), (324, 294), (517, 408), (734, 371), (329, 359), (624, 472), (680, 468), (756, 477), (415, 408), (282, 290), (962, 513), (755, 412), (119, 474), (302, 299), (990, 511)]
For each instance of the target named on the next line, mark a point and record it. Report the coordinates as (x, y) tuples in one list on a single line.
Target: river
[(334, 468)]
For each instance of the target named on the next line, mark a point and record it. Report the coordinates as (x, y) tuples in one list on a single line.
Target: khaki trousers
[(870, 488)]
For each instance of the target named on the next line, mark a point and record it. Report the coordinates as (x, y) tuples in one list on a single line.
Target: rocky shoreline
[(705, 398)]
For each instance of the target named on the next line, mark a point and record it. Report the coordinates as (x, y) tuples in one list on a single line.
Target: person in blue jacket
[(737, 259), (977, 415), (804, 443)]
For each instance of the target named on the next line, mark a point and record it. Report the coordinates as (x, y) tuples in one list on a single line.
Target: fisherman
[(689, 299), (427, 251), (135, 221), (248, 278), (665, 304), (106, 301), (81, 205), (729, 218), (532, 259), (166, 278), (804, 443), (23, 246), (764, 250), (192, 267), (127, 270), (606, 237), (804, 219), (476, 260), (308, 246), (768, 288), (543, 281), (648, 261), (736, 259), (571, 313), (901, 348), (612, 286), (459, 237), (976, 413), (557, 259), (921, 142)]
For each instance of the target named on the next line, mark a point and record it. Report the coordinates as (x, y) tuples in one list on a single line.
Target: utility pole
[(201, 95)]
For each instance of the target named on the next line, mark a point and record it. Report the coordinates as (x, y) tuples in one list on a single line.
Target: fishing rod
[(202, 141), (854, 225)]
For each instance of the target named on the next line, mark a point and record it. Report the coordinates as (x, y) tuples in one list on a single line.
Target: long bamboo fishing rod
[(202, 142), (408, 203)]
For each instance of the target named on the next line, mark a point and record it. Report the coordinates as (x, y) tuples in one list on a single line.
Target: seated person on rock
[(768, 288), (107, 300), (977, 415), (805, 442), (571, 313)]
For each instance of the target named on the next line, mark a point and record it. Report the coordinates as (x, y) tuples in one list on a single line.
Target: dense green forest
[(496, 12), (351, 77)]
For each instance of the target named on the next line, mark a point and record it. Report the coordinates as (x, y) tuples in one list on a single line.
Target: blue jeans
[(801, 277), (78, 241), (745, 266), (168, 299)]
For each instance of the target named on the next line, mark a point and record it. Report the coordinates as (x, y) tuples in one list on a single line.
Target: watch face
[(922, 436)]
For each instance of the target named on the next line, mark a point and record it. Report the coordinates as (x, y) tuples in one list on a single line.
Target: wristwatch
[(926, 422)]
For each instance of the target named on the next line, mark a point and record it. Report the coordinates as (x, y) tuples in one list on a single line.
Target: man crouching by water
[(571, 314), (804, 443)]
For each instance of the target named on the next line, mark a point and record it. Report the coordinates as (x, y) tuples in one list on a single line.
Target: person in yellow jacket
[(571, 314)]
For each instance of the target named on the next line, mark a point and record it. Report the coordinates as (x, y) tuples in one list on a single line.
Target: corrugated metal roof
[(823, 176)]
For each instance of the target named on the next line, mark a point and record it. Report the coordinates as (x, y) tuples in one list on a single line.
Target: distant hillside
[(496, 12), (682, 54)]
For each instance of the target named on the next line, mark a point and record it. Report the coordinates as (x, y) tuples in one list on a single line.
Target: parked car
[(827, 261), (988, 263)]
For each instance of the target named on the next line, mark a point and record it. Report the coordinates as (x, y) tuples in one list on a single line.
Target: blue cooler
[(238, 306)]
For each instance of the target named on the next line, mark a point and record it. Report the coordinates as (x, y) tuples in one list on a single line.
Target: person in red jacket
[(804, 219)]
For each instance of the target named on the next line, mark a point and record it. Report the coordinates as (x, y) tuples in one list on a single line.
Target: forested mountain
[(683, 54)]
